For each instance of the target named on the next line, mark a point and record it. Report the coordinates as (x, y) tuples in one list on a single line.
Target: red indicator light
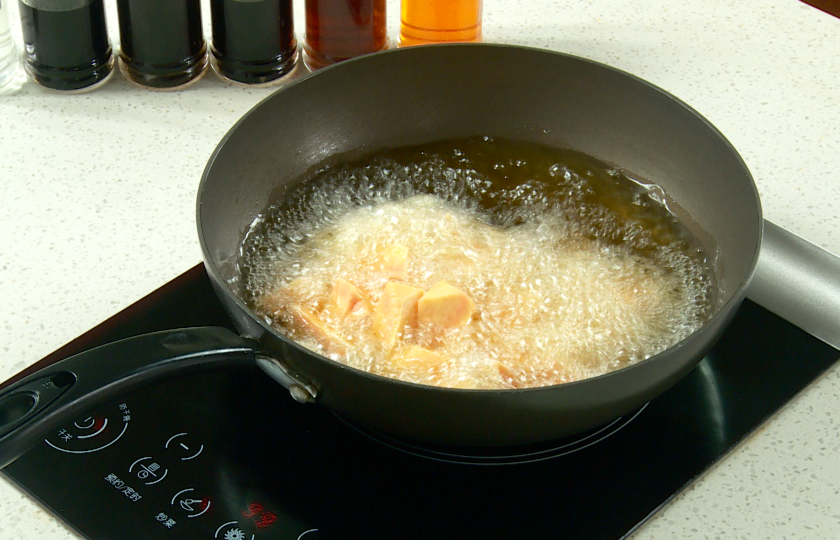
[(262, 518), (98, 424), (254, 509)]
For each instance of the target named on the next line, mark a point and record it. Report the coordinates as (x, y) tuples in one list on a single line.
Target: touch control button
[(147, 468), (182, 444), (186, 501), (232, 531), (87, 423), (91, 433)]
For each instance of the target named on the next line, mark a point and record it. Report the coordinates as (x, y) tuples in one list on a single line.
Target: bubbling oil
[(575, 269)]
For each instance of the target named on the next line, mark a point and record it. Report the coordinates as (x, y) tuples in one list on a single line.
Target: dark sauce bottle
[(66, 44), (253, 40), (340, 29), (162, 42)]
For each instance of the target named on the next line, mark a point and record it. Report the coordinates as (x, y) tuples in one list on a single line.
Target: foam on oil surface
[(574, 270)]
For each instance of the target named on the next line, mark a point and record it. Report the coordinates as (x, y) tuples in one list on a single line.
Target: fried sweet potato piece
[(311, 325), (418, 361), (445, 305), (393, 261), (396, 310), (348, 298), (290, 294)]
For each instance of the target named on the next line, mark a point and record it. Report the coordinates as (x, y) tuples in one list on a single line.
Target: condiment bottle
[(162, 42), (66, 44), (340, 29), (440, 21), (253, 40), (8, 53)]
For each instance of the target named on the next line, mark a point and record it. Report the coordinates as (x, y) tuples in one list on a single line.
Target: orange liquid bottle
[(440, 21)]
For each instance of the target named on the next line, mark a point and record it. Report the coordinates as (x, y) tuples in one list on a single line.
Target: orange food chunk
[(445, 305), (314, 327), (393, 261), (508, 377), (396, 309), (292, 293), (348, 298), (418, 361), (489, 375)]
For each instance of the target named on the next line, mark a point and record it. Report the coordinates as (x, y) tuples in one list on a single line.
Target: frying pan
[(407, 97)]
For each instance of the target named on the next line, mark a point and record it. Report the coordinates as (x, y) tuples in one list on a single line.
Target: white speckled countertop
[(98, 202)]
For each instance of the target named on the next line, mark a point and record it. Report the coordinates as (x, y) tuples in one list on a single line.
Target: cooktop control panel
[(157, 465)]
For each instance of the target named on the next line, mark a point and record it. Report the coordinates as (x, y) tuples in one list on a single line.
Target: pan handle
[(46, 399)]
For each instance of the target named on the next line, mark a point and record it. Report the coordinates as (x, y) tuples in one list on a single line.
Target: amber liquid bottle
[(440, 21), (253, 40), (65, 43), (340, 29), (162, 42)]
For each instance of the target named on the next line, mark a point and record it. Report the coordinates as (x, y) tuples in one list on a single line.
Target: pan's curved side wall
[(422, 94)]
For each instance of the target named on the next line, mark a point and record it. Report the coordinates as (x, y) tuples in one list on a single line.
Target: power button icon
[(184, 446)]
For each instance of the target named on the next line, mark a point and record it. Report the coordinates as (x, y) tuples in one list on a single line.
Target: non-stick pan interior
[(423, 94)]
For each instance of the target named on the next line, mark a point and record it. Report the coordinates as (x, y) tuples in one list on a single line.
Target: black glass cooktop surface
[(229, 455)]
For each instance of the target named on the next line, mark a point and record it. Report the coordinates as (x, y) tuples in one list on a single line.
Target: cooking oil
[(575, 269)]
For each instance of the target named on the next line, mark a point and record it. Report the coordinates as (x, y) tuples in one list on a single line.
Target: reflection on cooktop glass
[(229, 455)]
